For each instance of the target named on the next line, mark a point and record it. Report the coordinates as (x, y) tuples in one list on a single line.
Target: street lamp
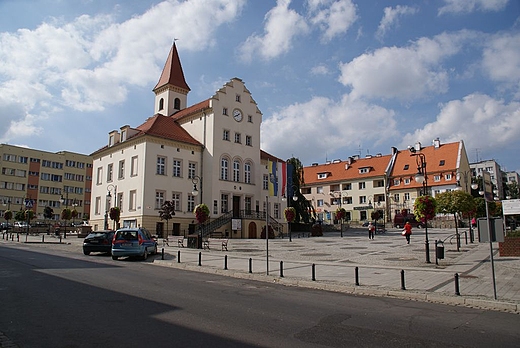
[(294, 198), (8, 204), (65, 200), (74, 205), (195, 192), (340, 202), (422, 178), (110, 188)]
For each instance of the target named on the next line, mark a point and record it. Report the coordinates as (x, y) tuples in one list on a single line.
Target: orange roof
[(194, 109), (342, 170), (172, 73), (165, 127), (443, 159)]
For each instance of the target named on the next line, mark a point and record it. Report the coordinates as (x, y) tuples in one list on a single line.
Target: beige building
[(37, 179), (213, 146)]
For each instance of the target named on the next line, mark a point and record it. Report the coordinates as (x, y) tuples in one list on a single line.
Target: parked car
[(133, 242), (98, 241), (5, 226), (21, 225), (400, 220)]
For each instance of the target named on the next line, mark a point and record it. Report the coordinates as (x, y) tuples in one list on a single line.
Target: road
[(64, 299)]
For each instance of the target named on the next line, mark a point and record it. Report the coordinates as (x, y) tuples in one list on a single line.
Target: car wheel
[(145, 254), (86, 252), (114, 257)]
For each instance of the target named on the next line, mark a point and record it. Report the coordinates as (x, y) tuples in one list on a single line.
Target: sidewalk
[(383, 265)]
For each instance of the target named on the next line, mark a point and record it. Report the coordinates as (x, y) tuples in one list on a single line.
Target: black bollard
[(357, 275), (179, 256), (457, 291), (250, 265), (466, 236), (200, 258), (281, 269), (402, 280), (225, 262), (162, 254), (313, 272), (43, 238)]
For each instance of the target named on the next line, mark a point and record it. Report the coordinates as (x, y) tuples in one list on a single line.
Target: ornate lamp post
[(65, 200), (110, 188), (195, 192), (7, 216), (422, 178), (289, 213)]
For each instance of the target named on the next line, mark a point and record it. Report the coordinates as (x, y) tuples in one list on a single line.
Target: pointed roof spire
[(172, 73)]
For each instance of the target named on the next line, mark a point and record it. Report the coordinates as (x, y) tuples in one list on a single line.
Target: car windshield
[(127, 235)]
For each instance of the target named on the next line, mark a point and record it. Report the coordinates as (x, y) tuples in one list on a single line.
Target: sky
[(332, 78)]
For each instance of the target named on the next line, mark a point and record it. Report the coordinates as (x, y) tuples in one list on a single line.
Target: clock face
[(237, 115)]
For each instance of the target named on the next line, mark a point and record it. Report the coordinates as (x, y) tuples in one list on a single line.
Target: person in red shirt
[(407, 231)]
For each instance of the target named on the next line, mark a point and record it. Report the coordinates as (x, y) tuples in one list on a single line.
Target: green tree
[(8, 215), (305, 212), (167, 212), (20, 215), (495, 208), (458, 203), (512, 190)]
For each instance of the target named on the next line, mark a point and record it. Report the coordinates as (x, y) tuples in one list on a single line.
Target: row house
[(385, 183)]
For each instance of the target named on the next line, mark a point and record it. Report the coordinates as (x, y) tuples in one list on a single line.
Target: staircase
[(226, 218)]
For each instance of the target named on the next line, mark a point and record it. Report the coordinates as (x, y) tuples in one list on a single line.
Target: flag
[(284, 179), (290, 185), (273, 178)]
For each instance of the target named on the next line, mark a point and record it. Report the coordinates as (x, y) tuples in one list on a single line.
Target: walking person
[(407, 231), (371, 230)]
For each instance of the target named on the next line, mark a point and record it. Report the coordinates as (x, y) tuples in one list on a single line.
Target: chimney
[(418, 146), (436, 143)]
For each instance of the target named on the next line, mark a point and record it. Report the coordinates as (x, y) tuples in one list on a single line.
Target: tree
[(305, 212), (48, 213), (495, 208), (455, 202), (512, 190), (8, 215), (167, 212)]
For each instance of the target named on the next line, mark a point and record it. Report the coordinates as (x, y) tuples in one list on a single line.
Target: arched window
[(177, 104), (161, 104), (224, 169), (236, 170), (247, 172)]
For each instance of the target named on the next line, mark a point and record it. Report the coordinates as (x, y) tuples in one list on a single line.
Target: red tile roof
[(194, 109), (165, 127), (172, 73), (343, 171)]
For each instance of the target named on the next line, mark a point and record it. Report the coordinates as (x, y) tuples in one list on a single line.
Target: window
[(225, 135), (123, 135), (322, 176), (176, 200), (177, 104), (347, 200), (159, 199), (347, 186), (215, 207), (249, 118), (224, 169), (447, 177), (237, 98), (224, 111), (265, 182), (121, 169), (362, 185), (396, 182), (362, 199), (436, 178), (407, 181), (396, 197), (110, 169), (192, 170), (441, 163), (238, 138), (319, 189), (364, 170), (132, 202), (248, 205), (133, 166), (249, 140), (247, 173), (177, 168), (276, 211), (97, 207), (224, 203), (406, 167), (23, 159), (99, 175), (236, 170), (161, 165), (161, 103), (406, 196), (191, 202), (319, 202)]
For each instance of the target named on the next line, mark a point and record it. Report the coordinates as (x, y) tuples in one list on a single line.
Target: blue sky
[(333, 78)]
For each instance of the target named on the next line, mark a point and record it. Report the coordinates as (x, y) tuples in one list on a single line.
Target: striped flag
[(273, 178)]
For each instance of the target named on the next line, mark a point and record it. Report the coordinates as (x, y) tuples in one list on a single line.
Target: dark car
[(133, 242), (98, 241)]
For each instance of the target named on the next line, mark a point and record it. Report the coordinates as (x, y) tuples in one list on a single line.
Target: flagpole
[(267, 233)]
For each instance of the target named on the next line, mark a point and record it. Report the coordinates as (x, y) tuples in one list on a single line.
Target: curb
[(353, 290)]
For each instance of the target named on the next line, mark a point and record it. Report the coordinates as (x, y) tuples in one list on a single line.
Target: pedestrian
[(407, 231), (371, 230)]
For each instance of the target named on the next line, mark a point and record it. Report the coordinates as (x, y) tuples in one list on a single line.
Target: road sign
[(511, 206), (28, 203)]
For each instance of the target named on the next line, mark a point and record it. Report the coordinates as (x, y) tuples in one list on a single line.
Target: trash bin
[(440, 250)]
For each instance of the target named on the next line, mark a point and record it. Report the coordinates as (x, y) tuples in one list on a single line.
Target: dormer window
[(406, 167), (322, 175), (364, 170), (123, 135), (447, 177), (441, 163), (396, 182)]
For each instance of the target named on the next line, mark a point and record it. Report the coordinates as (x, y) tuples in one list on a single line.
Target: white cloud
[(282, 26), (391, 18), (501, 59), (324, 124), (403, 73), (91, 61), (332, 17), (478, 119), (467, 6), (320, 70)]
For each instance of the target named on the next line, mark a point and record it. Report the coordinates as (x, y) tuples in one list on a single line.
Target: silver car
[(133, 242)]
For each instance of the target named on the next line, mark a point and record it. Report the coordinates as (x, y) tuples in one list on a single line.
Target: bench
[(180, 242), (219, 241)]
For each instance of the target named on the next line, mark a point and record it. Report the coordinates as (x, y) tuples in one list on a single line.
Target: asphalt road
[(62, 299)]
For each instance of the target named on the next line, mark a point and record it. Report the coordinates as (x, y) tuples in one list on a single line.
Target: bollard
[(162, 254), (457, 292), (466, 236), (179, 256), (357, 275), (281, 269), (225, 262), (200, 258), (43, 238), (26, 236), (60, 238), (402, 280), (250, 265), (313, 272)]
